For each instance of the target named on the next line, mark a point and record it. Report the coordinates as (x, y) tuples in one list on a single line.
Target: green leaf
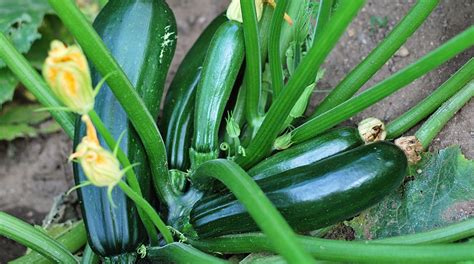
[(23, 114), (11, 132), (441, 192), (8, 82), (20, 19), (19, 121)]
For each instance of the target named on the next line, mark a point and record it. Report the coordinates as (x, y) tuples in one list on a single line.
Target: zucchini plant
[(238, 154)]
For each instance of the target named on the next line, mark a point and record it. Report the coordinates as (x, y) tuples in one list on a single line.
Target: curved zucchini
[(309, 152), (141, 36), (220, 70), (313, 196), (177, 122)]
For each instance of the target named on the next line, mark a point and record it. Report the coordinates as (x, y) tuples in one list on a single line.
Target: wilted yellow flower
[(234, 11), (67, 72), (100, 166)]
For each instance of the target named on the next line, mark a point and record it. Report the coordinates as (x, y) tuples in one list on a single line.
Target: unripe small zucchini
[(141, 35), (329, 144), (220, 70), (312, 196), (177, 122)]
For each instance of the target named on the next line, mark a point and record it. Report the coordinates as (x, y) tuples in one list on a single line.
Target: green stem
[(447, 234), (378, 57), (438, 120), (123, 90), (180, 253), (25, 234), (410, 118), (34, 83), (102, 3), (89, 257), (324, 12), (304, 74), (73, 240), (321, 123), (253, 70), (149, 210), (131, 177), (274, 47), (271, 222), (344, 251)]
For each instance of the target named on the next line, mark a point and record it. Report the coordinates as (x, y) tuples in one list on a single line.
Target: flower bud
[(232, 127), (67, 73), (100, 166), (283, 142)]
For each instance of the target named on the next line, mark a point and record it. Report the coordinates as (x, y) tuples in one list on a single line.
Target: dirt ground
[(34, 171)]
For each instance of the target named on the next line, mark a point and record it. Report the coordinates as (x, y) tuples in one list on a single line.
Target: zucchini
[(312, 196), (219, 73), (141, 35), (309, 152), (177, 122)]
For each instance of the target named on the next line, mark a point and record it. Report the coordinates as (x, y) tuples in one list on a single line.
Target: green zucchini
[(141, 35), (312, 196), (332, 142), (177, 122), (220, 70)]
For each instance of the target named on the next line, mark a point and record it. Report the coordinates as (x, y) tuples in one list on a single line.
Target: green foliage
[(18, 121), (20, 20), (440, 192), (8, 82)]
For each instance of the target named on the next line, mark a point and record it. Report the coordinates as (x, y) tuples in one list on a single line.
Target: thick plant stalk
[(344, 251), (35, 83), (377, 58), (88, 256), (438, 120), (410, 118), (253, 70), (73, 240), (280, 235), (324, 12), (149, 210), (141, 119), (448, 234), (307, 70), (181, 253), (274, 47), (25, 234), (321, 123)]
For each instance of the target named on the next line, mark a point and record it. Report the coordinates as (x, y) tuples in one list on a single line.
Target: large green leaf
[(8, 82), (17, 121), (440, 192), (20, 19)]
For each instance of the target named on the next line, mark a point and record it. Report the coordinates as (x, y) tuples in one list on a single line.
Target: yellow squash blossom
[(67, 72), (101, 167)]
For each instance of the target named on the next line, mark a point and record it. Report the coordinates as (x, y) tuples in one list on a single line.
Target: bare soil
[(34, 171)]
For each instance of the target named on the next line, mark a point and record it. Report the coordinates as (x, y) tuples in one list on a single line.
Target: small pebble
[(419, 171), (402, 52)]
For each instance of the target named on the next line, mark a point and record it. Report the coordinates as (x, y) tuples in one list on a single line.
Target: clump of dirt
[(34, 171)]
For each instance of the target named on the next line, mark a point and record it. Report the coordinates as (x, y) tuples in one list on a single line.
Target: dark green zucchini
[(177, 122), (141, 35), (312, 196), (332, 142), (220, 70)]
